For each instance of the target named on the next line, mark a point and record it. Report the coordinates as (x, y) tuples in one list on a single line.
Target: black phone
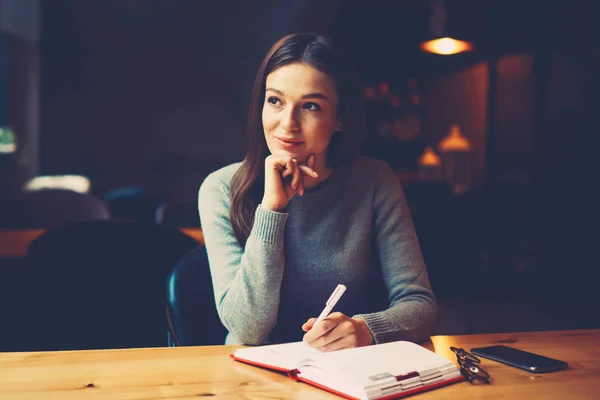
[(521, 359)]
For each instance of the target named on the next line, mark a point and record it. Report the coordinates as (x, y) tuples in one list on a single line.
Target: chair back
[(50, 208), (191, 308), (101, 284), (133, 203), (179, 213)]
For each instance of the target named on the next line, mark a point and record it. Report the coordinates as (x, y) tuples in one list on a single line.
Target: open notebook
[(382, 371)]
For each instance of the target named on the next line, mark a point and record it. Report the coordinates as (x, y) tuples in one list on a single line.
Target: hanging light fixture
[(456, 158), (442, 44), (429, 165)]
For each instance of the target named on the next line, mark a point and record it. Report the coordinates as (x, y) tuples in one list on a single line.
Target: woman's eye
[(312, 107), (273, 100)]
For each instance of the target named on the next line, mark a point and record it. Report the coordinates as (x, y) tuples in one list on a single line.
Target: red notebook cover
[(297, 376)]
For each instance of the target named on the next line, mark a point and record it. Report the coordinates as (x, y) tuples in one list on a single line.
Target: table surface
[(14, 243), (192, 372)]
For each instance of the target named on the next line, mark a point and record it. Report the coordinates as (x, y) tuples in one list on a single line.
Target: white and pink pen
[(333, 299)]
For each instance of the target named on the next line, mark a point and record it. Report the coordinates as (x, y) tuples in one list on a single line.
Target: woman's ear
[(339, 126)]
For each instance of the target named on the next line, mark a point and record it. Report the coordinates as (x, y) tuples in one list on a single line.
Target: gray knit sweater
[(354, 228)]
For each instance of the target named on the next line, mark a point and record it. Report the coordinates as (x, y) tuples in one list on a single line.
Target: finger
[(297, 175), (316, 332), (342, 336), (277, 163), (308, 324), (300, 188), (308, 171), (287, 166), (308, 166), (314, 336), (344, 328), (344, 342), (310, 162)]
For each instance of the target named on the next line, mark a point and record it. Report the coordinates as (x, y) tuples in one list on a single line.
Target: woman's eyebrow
[(315, 95)]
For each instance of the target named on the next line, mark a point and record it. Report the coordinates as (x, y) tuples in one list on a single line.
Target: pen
[(333, 299)]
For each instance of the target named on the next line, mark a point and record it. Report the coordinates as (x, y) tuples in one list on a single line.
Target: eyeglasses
[(469, 366)]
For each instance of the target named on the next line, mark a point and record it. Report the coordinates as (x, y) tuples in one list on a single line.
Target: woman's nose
[(289, 120)]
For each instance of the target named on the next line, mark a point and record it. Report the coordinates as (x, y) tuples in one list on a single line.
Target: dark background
[(127, 87), (154, 93)]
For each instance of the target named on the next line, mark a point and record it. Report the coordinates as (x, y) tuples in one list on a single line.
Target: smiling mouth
[(288, 143)]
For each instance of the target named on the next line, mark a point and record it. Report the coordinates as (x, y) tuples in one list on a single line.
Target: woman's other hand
[(337, 332)]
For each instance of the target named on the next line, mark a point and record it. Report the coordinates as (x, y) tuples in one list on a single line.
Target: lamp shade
[(455, 150), (455, 141), (446, 46), (429, 165)]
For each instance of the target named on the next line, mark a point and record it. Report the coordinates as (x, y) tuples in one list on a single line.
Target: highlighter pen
[(333, 299)]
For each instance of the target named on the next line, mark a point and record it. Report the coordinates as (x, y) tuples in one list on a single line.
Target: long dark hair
[(247, 185)]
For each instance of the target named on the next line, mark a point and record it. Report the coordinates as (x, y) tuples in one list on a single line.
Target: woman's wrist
[(272, 207), (367, 338)]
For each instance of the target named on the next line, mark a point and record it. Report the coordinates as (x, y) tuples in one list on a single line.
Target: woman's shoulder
[(372, 169), (371, 163), (220, 179)]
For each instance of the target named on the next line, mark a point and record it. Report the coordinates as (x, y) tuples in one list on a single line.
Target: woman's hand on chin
[(284, 178)]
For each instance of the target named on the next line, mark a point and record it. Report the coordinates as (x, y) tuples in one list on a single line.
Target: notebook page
[(368, 369), (287, 356), (396, 358), (333, 380)]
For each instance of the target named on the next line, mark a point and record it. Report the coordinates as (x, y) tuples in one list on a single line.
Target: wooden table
[(14, 243), (195, 372)]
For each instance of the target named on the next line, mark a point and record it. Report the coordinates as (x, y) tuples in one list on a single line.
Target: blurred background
[(131, 103)]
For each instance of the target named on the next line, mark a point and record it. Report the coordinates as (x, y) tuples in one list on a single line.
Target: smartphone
[(521, 359)]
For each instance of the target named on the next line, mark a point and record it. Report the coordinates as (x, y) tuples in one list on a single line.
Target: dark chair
[(51, 207), (97, 284), (133, 203), (191, 306), (178, 213)]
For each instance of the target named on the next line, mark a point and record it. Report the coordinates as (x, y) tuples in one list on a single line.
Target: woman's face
[(300, 112)]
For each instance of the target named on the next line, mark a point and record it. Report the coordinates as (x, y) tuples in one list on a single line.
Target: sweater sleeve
[(246, 280), (413, 309)]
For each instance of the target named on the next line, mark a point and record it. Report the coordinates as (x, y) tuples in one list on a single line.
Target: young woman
[(301, 214)]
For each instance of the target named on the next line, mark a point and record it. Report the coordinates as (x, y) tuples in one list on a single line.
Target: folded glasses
[(469, 366)]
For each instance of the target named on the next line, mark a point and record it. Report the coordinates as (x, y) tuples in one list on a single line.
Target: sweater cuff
[(379, 327), (268, 225)]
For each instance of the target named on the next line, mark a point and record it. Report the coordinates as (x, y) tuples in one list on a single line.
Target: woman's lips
[(284, 143)]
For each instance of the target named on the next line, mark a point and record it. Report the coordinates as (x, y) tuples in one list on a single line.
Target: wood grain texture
[(197, 372)]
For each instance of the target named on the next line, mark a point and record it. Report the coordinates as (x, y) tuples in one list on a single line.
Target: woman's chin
[(300, 156)]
